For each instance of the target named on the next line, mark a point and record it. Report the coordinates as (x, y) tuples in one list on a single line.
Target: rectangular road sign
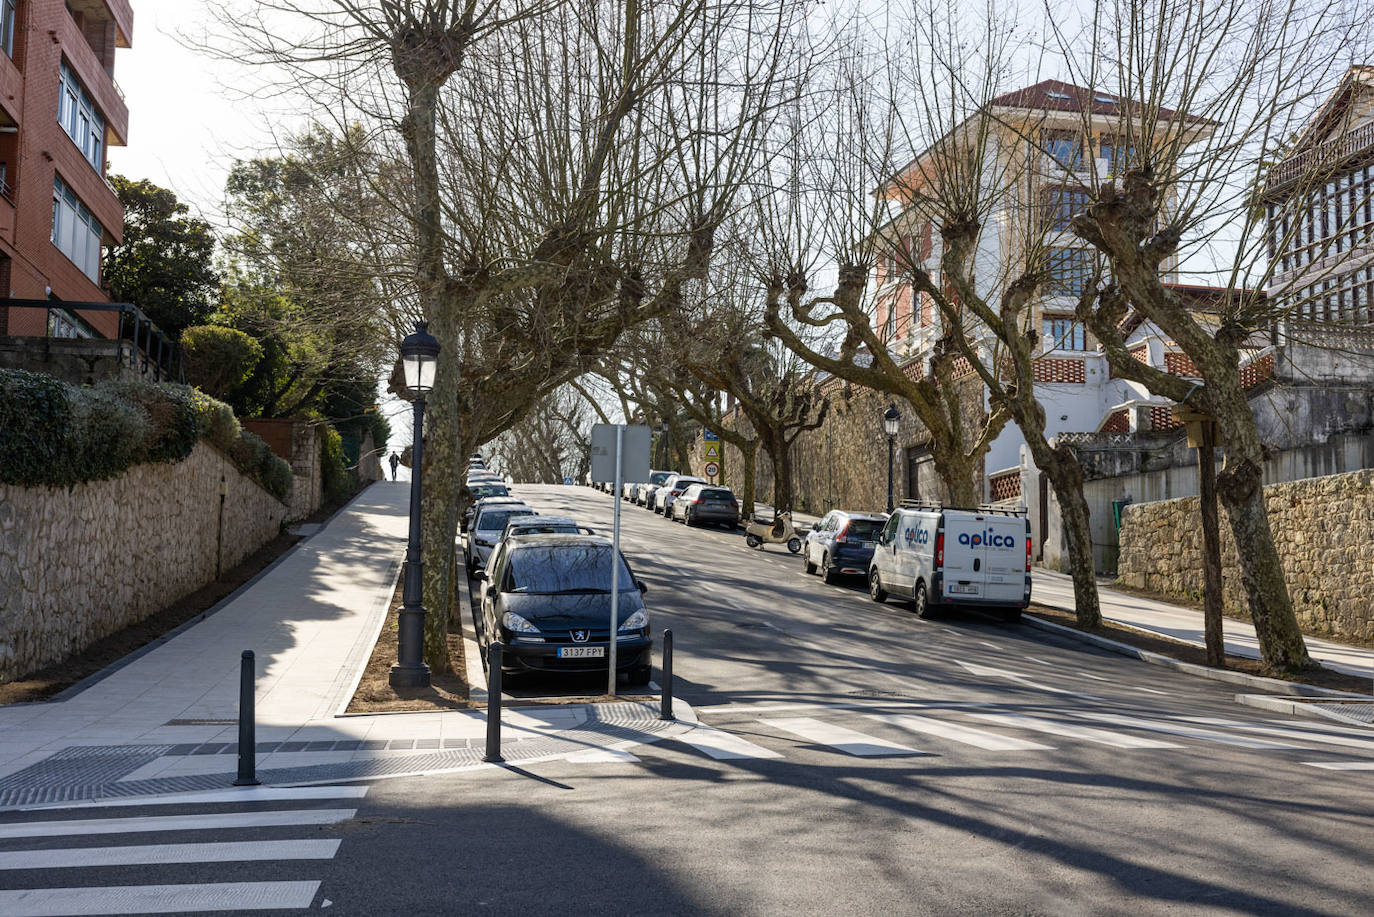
[(709, 436), (634, 458)]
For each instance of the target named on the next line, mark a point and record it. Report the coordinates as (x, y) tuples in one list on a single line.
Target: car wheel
[(876, 592), (827, 574), (1011, 615), (810, 567), (921, 601), (640, 675), (794, 545)]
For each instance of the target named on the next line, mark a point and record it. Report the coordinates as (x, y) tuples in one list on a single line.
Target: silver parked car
[(669, 491)]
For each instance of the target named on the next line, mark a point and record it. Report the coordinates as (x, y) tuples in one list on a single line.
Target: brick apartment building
[(60, 110)]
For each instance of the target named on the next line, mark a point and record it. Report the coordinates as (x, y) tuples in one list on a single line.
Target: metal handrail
[(166, 363)]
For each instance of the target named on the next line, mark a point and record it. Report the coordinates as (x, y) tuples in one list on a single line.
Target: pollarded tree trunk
[(749, 458), (1061, 466), (781, 458)]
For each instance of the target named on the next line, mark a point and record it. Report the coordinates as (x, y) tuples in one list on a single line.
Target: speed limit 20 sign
[(712, 469)]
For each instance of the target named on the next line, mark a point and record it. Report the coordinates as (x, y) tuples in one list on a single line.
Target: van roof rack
[(986, 508)]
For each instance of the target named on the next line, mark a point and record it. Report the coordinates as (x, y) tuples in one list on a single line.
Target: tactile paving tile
[(94, 772)]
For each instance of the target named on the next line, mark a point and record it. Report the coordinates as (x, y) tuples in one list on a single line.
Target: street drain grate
[(196, 722), (1358, 712)]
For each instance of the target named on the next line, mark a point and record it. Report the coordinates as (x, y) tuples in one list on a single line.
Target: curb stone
[(1273, 685), (1293, 708)]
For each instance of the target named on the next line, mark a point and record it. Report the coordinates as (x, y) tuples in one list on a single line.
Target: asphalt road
[(862, 761)]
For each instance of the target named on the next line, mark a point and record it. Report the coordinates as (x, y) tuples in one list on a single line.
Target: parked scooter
[(779, 531)]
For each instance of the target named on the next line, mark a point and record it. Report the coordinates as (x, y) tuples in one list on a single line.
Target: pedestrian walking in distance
[(395, 460)]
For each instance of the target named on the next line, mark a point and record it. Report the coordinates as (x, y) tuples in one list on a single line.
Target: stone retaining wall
[(1324, 529), (77, 565)]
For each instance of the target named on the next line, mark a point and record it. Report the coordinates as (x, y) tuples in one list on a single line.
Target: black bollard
[(666, 704), (493, 755), (248, 748)]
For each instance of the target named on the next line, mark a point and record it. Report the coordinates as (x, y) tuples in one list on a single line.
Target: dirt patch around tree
[(59, 676), (1186, 652), (375, 693)]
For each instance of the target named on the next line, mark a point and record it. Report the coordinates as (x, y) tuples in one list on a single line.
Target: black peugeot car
[(548, 599)]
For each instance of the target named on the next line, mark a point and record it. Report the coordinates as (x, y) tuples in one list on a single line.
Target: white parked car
[(942, 557)]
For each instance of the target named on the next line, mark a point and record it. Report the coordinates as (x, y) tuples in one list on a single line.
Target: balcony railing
[(152, 353), (1324, 157)]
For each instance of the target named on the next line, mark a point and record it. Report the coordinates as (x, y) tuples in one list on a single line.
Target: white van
[(945, 557)]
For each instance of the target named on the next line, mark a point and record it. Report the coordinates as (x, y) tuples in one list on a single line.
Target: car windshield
[(496, 519), (658, 477), (545, 569), (488, 490), (864, 529)]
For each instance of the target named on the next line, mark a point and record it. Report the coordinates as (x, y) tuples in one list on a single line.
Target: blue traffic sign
[(709, 436)]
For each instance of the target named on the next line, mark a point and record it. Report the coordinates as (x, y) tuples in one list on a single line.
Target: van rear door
[(965, 560), (1004, 559)]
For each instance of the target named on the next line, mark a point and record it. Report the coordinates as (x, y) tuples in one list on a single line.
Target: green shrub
[(217, 421), (35, 420), (336, 482), (219, 359), (274, 473), (173, 416), (107, 434)]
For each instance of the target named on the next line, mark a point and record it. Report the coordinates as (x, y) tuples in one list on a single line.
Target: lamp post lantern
[(419, 356), (890, 418)]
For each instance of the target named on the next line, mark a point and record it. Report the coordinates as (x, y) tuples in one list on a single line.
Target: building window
[(1064, 333), (77, 114), (1068, 270), (7, 27), (1061, 204), (75, 231), (1118, 152), (1064, 147)]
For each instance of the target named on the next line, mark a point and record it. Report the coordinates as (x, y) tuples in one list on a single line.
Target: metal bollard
[(248, 746), (493, 754), (666, 702)]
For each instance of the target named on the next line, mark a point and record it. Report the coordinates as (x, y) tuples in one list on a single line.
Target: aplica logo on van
[(918, 536), (988, 537)]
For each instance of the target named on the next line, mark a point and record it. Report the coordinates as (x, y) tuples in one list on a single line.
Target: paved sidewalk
[(1056, 590), (165, 721)]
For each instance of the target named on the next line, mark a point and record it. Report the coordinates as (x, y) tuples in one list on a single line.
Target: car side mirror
[(643, 586), (815, 526), (480, 576)]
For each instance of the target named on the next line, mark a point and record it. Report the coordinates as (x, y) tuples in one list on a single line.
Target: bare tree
[(1205, 96)]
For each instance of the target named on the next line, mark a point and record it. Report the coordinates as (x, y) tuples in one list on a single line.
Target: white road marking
[(976, 737), (1146, 690), (157, 899), (602, 756), (1342, 765), (245, 794), (723, 745), (1325, 727), (845, 739), (159, 854), (1016, 677), (1180, 730), (1320, 737), (990, 645), (177, 823), (1092, 676), (1039, 661), (1087, 733)]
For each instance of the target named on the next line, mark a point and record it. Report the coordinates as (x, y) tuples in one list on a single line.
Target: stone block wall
[(1324, 530), (77, 565)]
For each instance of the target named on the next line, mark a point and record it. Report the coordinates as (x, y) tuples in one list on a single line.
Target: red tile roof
[(1049, 95)]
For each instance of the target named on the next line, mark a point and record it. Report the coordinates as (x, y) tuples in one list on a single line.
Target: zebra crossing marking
[(1305, 734), (163, 854), (1342, 765), (1182, 730), (157, 899), (243, 794), (840, 737), (724, 746), (990, 741), (1086, 733), (177, 823)]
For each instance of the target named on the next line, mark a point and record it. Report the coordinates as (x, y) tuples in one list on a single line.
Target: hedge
[(57, 435)]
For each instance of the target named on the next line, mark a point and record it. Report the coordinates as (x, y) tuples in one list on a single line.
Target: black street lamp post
[(890, 418), (419, 355)]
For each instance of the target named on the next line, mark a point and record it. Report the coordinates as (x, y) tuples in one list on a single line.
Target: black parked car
[(704, 504), (548, 599), (841, 544)]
